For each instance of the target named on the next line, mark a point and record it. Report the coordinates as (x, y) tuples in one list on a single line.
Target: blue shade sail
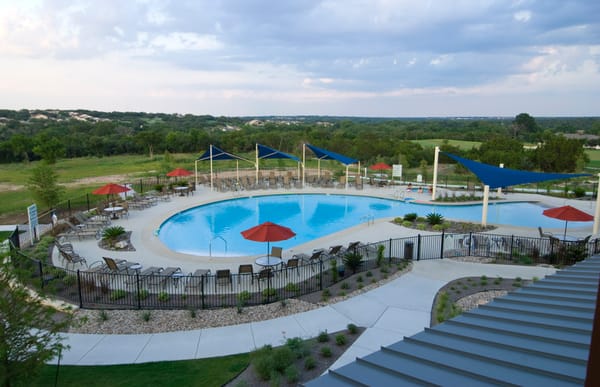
[(218, 154), (497, 177), (265, 152), (323, 154)]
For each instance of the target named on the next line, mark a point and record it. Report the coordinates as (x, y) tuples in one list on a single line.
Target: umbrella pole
[(268, 254), (565, 236)]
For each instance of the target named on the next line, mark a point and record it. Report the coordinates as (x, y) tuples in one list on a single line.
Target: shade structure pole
[(484, 210), (256, 163), (357, 174), (436, 158), (347, 167), (597, 212), (500, 188), (196, 171), (237, 171), (211, 169), (319, 168), (303, 165)]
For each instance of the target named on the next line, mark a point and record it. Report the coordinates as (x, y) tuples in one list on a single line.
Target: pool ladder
[(369, 219), (210, 245)]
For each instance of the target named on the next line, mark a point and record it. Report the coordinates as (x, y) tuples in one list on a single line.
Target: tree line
[(54, 134)]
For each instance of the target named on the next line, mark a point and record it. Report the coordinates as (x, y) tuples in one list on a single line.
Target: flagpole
[(484, 211), (435, 171)]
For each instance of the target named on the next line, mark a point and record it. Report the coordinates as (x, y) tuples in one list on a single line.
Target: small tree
[(28, 330), (44, 186)]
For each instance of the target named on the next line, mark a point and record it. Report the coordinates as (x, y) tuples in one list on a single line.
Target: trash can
[(409, 248)]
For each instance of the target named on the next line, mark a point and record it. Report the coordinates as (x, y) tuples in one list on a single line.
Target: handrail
[(210, 245)]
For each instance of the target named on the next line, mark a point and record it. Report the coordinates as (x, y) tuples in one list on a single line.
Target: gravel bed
[(474, 300), (134, 321)]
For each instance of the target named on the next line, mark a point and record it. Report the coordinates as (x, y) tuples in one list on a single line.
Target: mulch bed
[(110, 244)]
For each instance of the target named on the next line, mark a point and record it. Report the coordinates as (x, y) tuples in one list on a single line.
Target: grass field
[(204, 372), (464, 145)]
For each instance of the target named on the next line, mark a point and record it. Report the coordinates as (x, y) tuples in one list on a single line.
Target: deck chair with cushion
[(161, 278), (276, 252), (544, 234), (119, 265), (265, 274), (72, 258), (223, 277), (310, 259), (334, 251), (244, 270)]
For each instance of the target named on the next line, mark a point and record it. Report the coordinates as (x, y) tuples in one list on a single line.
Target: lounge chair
[(92, 222), (312, 259), (160, 279), (544, 234), (80, 231), (223, 277), (334, 251), (195, 280), (119, 265), (72, 258), (245, 270)]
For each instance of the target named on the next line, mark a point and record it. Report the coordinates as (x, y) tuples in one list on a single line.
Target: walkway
[(397, 309)]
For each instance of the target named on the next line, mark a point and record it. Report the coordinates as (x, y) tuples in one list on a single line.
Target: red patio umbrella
[(178, 172), (568, 213), (380, 167), (110, 189), (268, 232)]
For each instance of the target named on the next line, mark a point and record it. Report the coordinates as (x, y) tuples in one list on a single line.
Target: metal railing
[(96, 289)]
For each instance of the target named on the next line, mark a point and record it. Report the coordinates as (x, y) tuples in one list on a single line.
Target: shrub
[(380, 250), (341, 339), (407, 224), (352, 328), (118, 294), (112, 232), (143, 294), (326, 352), (292, 374), (434, 218), (398, 220), (146, 316), (359, 278), (243, 297), (282, 358), (292, 287), (163, 296), (410, 217), (298, 347), (310, 363), (103, 315), (421, 226), (70, 280), (323, 337), (353, 260), (345, 285)]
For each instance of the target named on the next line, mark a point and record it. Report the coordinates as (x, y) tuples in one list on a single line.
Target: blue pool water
[(214, 229)]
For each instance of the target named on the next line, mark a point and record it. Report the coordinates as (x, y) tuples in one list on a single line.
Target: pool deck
[(397, 309)]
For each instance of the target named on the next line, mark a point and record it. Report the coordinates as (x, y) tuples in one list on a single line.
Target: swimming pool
[(214, 229)]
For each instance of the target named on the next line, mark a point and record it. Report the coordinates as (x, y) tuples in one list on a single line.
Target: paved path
[(390, 312)]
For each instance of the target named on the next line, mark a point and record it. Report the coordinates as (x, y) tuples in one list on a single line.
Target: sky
[(378, 58)]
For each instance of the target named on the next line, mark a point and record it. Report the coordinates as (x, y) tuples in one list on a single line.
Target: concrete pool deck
[(399, 308)]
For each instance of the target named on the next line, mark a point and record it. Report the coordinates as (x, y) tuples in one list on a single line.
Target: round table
[(269, 261), (113, 211), (181, 190)]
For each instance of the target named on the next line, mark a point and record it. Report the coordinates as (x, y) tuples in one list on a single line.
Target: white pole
[(196, 171), (484, 210), (211, 168), (237, 171), (435, 171), (597, 212), (500, 188), (303, 165), (347, 168), (257, 164)]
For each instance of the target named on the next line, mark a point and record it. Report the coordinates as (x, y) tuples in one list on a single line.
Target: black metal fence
[(96, 289)]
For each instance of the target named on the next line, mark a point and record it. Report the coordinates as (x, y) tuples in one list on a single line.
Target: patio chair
[(334, 251), (292, 263), (276, 252), (223, 277), (72, 258), (79, 231), (245, 270), (160, 279), (118, 265), (312, 259), (265, 274), (195, 280), (544, 234)]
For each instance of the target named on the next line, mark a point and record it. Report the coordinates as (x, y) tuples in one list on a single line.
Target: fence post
[(442, 246), (419, 247), (69, 207), (141, 186), (320, 273), (390, 252), (41, 269), (470, 243), (137, 286), (512, 243), (79, 289), (202, 292)]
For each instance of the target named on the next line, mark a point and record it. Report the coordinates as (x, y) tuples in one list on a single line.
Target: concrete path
[(390, 312)]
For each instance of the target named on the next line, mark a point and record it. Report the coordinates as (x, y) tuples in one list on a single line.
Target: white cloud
[(522, 16), (177, 41)]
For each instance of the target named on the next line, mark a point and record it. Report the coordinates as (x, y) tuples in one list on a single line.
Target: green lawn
[(464, 145), (204, 372)]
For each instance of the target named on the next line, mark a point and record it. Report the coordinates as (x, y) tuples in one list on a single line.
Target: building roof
[(537, 335)]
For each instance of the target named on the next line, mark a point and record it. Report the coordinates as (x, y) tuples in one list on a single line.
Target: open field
[(464, 145)]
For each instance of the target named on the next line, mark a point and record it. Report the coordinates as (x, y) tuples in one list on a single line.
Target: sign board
[(419, 178), (397, 170), (32, 215)]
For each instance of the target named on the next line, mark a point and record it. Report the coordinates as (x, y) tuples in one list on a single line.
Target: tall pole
[(435, 171), (597, 212), (500, 188), (303, 165), (484, 210), (211, 168), (196, 171), (256, 163)]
